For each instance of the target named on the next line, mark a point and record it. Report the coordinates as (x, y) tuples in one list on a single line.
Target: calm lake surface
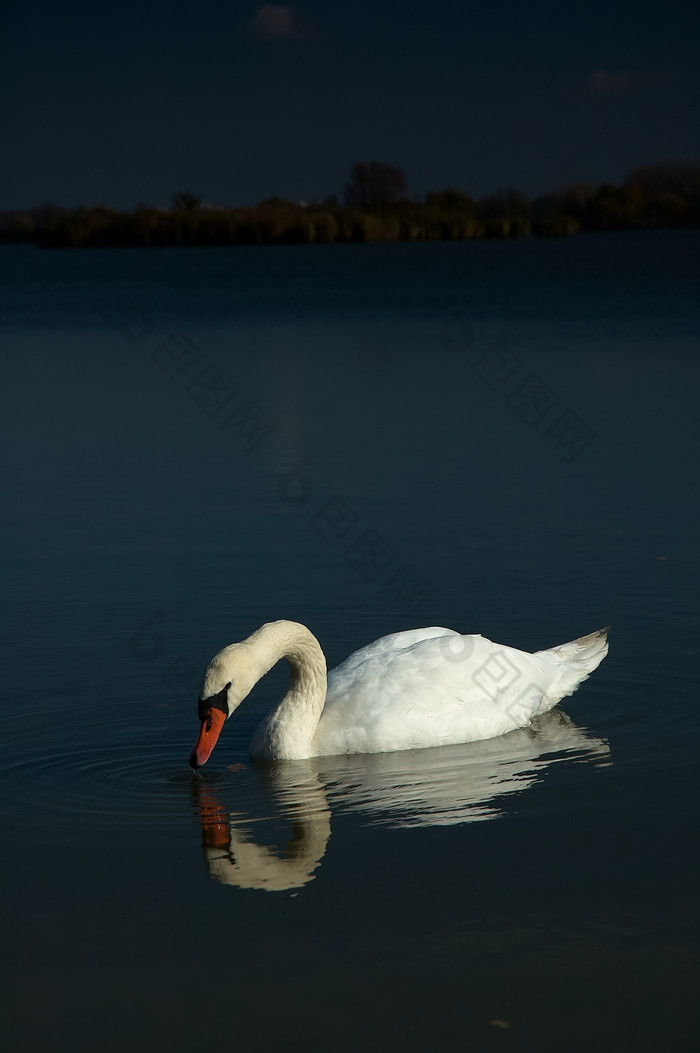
[(497, 437)]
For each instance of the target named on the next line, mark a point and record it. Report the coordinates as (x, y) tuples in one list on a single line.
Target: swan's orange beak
[(208, 734)]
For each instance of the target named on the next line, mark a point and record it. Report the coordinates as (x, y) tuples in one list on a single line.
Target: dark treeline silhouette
[(374, 207)]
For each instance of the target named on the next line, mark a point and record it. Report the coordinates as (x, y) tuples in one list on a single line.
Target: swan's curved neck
[(286, 733)]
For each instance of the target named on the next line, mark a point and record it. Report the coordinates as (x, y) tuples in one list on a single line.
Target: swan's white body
[(410, 690)]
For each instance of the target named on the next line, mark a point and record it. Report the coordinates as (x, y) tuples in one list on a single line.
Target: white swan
[(410, 690)]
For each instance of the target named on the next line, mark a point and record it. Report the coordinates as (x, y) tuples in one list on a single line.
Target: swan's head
[(227, 681)]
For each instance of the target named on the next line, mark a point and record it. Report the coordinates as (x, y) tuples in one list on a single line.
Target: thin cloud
[(281, 22)]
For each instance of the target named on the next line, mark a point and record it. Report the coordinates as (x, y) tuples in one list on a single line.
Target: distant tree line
[(374, 207)]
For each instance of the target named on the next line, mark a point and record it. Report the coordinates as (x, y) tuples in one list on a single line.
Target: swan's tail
[(574, 661)]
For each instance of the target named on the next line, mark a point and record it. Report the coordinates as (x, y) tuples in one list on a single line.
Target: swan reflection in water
[(234, 858), (443, 786)]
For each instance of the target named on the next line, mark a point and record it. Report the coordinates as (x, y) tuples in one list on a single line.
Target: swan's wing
[(382, 650), (429, 687)]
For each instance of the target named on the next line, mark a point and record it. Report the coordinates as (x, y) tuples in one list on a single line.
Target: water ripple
[(84, 768), (130, 766)]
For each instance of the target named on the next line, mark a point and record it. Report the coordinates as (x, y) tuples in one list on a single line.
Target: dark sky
[(120, 103)]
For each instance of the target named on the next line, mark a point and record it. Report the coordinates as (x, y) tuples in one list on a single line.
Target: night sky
[(122, 103)]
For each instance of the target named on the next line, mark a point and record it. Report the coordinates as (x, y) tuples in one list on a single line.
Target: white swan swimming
[(409, 690)]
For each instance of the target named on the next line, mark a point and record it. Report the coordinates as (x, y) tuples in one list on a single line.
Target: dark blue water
[(501, 438)]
